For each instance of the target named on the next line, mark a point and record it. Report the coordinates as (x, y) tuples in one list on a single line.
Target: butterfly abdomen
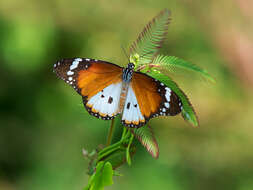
[(123, 95)]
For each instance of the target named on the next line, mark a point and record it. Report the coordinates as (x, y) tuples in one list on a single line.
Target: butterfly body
[(108, 90)]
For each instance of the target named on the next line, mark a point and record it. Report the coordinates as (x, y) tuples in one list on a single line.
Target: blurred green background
[(44, 126)]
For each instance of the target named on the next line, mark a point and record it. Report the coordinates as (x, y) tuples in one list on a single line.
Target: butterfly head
[(130, 66)]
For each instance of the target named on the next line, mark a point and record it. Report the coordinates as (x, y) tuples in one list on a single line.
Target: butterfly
[(108, 90)]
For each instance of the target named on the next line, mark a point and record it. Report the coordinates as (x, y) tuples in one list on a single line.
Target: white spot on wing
[(166, 104), (70, 73), (168, 94), (74, 65)]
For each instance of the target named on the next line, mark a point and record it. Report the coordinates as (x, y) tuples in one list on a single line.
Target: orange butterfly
[(108, 90)]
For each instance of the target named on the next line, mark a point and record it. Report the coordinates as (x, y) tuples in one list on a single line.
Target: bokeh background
[(44, 126)]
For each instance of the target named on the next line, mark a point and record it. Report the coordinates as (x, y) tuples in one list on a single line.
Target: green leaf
[(188, 112), (146, 137), (172, 64), (102, 177), (151, 38), (107, 174), (128, 156), (93, 179)]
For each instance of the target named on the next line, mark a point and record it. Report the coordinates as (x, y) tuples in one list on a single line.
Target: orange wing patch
[(97, 77), (146, 91)]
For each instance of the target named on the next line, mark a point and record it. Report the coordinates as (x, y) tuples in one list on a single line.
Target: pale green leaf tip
[(212, 79), (192, 119), (107, 174), (208, 76)]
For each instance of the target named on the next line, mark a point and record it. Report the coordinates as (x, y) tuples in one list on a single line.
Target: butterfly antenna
[(125, 53)]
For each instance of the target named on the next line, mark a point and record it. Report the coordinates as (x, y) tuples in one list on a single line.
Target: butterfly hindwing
[(132, 115), (98, 82), (105, 103), (154, 99)]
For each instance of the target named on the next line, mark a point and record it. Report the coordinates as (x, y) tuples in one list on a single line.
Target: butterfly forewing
[(154, 99), (98, 82)]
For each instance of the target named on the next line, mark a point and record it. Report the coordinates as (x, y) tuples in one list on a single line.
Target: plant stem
[(128, 156), (123, 133), (109, 137), (130, 141), (110, 148)]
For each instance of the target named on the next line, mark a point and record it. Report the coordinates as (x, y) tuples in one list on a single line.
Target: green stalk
[(123, 133), (110, 133), (128, 157), (111, 148)]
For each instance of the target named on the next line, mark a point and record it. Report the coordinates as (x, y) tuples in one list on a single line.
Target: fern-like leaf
[(146, 137), (188, 112), (151, 38), (172, 64)]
